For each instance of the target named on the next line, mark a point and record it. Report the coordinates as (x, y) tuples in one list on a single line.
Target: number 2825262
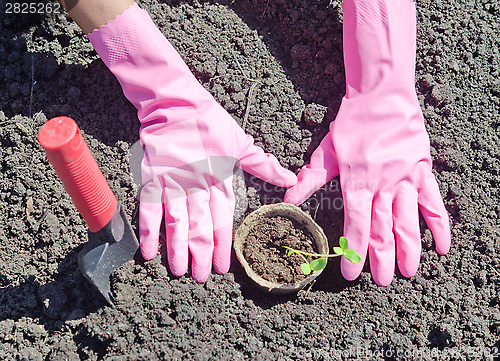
[(33, 8)]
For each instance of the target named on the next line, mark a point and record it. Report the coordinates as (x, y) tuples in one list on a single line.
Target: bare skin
[(91, 14)]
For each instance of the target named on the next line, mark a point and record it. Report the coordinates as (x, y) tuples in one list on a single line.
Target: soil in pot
[(263, 249)]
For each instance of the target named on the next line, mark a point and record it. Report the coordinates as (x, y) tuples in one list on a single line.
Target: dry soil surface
[(279, 62)]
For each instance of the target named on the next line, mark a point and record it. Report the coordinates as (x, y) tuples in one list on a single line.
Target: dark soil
[(450, 310), (263, 249)]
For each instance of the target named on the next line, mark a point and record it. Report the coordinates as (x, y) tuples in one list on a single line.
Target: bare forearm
[(91, 14)]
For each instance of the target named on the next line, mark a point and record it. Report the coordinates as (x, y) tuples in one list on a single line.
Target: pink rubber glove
[(379, 145), (191, 147)]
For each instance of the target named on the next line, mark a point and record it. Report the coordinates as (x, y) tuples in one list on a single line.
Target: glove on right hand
[(379, 145)]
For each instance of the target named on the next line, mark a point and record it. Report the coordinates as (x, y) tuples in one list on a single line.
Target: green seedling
[(320, 262)]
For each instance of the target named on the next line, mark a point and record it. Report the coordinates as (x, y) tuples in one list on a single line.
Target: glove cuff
[(152, 74), (122, 36), (379, 45), (374, 11)]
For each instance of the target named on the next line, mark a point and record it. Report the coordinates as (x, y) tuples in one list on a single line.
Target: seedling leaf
[(305, 268), (338, 251), (289, 253), (343, 243), (352, 255), (318, 264)]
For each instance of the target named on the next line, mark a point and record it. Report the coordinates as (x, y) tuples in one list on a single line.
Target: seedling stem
[(319, 263)]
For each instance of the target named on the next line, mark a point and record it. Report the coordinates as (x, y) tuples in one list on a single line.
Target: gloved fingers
[(150, 216), (177, 226), (253, 160), (152, 180), (200, 235), (222, 207), (382, 250), (435, 215), (322, 168), (309, 181), (407, 230), (357, 220)]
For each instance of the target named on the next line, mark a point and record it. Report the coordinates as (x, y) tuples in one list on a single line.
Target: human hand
[(379, 146), (187, 172), (191, 147)]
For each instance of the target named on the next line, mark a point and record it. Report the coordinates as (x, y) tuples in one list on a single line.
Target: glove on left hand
[(191, 147)]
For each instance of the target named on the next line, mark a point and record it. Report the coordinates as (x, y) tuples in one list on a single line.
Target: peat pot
[(295, 225)]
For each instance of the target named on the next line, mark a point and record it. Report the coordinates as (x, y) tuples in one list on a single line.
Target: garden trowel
[(111, 240)]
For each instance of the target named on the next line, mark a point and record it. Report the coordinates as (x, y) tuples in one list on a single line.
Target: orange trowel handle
[(75, 166)]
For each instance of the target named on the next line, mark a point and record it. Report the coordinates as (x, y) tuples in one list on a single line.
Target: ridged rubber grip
[(75, 166)]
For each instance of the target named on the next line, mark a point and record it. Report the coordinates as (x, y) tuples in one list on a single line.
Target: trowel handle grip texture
[(75, 166)]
